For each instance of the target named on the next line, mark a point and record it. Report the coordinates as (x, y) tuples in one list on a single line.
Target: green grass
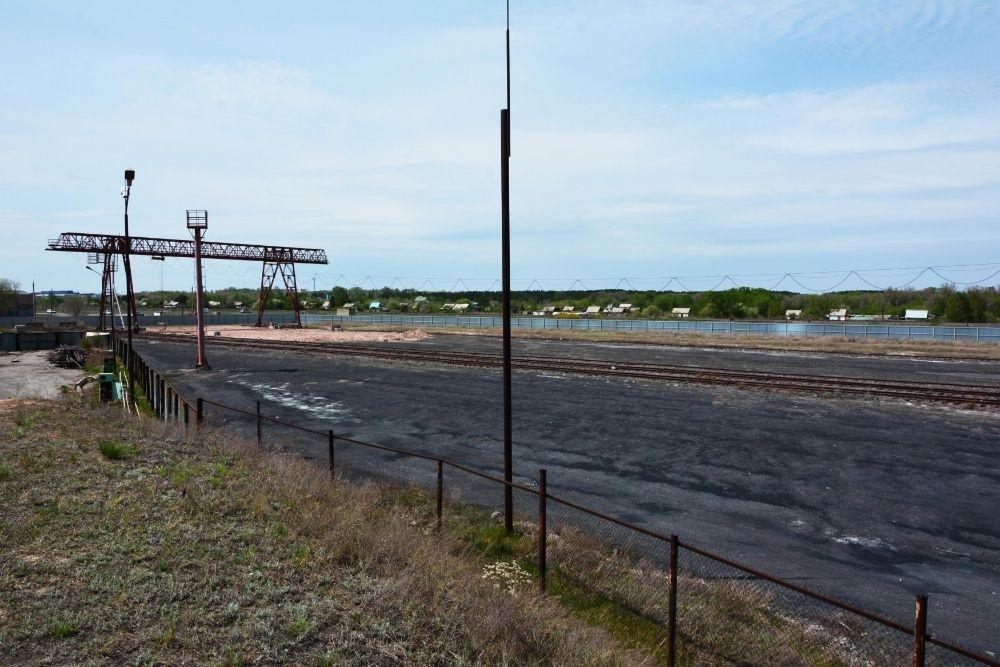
[(115, 450), (5, 473), (62, 629)]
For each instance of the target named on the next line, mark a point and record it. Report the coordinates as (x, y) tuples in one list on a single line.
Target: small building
[(793, 314), (626, 307), (681, 312), (213, 304), (591, 311), (461, 307), (420, 302), (326, 305), (375, 305), (549, 310), (238, 304), (448, 306), (916, 314), (838, 315), (344, 311)]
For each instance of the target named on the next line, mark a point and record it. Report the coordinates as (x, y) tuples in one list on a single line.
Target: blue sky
[(650, 139)]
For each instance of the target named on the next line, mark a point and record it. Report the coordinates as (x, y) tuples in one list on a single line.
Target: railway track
[(968, 396)]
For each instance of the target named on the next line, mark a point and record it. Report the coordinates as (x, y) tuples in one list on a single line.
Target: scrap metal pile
[(67, 356)]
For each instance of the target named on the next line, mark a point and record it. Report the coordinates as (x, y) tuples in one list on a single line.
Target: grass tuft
[(115, 450), (61, 629)]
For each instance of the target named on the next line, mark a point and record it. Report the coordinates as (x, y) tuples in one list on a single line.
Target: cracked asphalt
[(865, 500)]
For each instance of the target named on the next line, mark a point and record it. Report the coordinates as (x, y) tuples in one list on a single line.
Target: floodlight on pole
[(197, 222), (130, 296)]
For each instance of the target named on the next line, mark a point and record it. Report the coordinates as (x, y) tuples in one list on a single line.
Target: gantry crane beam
[(277, 260), (142, 245)]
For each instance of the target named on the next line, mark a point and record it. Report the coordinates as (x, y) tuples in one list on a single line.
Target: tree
[(74, 304), (339, 296), (8, 296)]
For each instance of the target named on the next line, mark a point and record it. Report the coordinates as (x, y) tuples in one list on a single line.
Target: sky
[(659, 143)]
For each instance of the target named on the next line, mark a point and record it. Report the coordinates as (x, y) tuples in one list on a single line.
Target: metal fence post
[(542, 529), (199, 411), (332, 451), (186, 418), (258, 423), (672, 605), (176, 401), (920, 633), (440, 492)]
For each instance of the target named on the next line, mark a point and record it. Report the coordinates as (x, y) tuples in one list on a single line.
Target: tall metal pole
[(199, 299), (508, 473), (129, 177)]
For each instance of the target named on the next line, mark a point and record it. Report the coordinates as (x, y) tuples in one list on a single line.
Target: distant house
[(420, 302), (592, 310), (626, 307), (681, 312), (839, 315), (568, 309), (326, 305), (793, 314), (347, 310), (461, 307), (549, 310), (375, 305), (238, 304), (213, 304), (351, 305), (916, 314)]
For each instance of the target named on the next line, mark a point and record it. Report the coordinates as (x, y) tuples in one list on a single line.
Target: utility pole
[(508, 472)]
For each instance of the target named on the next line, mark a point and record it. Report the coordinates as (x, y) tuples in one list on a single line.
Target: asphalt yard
[(869, 501)]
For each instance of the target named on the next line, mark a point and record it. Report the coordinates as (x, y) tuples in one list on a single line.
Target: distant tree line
[(945, 303)]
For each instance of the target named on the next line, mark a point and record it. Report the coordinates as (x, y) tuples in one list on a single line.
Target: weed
[(299, 626), (60, 628), (22, 420), (115, 450), (279, 531), (5, 473)]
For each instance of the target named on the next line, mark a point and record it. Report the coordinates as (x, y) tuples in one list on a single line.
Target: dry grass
[(203, 551)]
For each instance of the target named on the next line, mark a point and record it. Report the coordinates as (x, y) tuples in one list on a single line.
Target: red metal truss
[(140, 245)]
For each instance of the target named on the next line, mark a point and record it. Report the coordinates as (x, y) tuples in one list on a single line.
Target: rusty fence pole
[(170, 401), (332, 454), (440, 491), (199, 414), (543, 533), (186, 417), (672, 604), (258, 424), (176, 401), (920, 633)]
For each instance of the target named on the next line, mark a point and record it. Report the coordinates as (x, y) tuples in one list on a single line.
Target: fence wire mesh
[(604, 566), (726, 615)]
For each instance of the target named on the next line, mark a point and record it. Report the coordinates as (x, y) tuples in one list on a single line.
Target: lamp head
[(129, 177)]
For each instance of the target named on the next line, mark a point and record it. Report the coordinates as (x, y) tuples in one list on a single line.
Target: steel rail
[(952, 393)]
